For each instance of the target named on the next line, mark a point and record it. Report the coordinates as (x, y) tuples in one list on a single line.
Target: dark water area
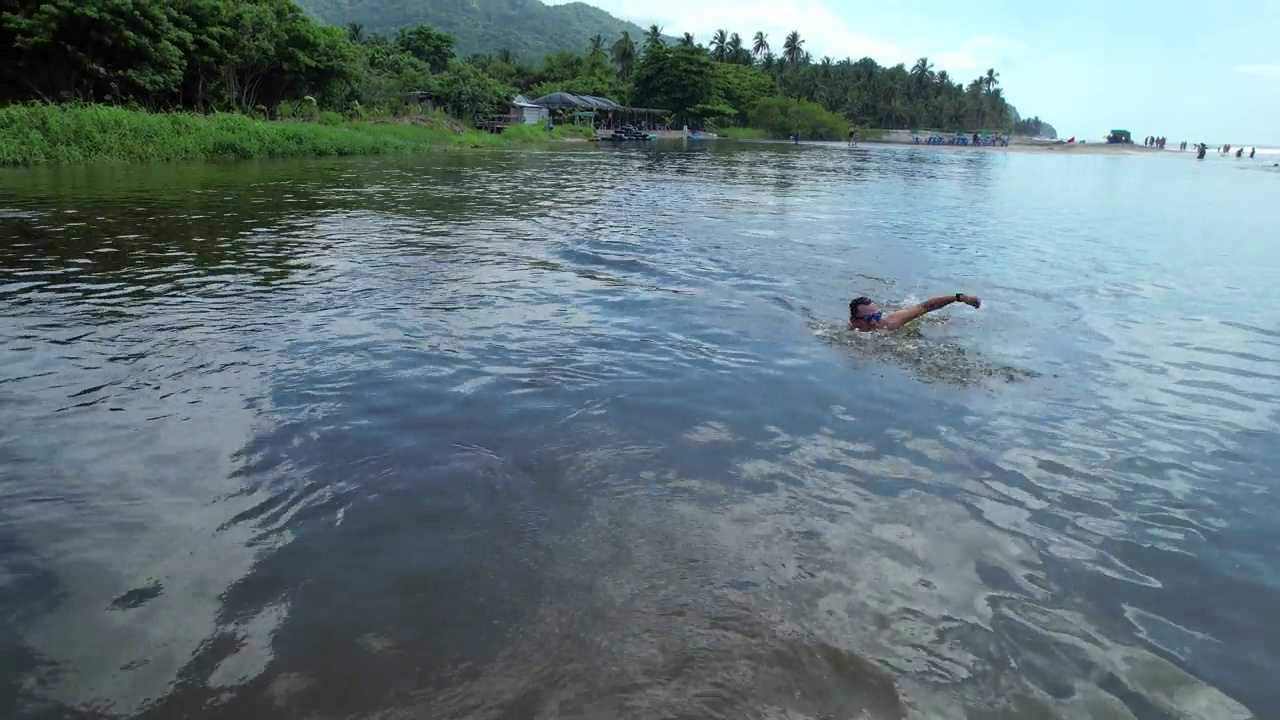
[(580, 434)]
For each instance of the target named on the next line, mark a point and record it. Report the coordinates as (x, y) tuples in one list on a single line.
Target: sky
[(1187, 71)]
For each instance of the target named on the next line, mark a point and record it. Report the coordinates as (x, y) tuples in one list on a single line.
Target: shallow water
[(579, 434)]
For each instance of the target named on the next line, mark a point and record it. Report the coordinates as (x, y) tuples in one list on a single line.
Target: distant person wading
[(866, 316)]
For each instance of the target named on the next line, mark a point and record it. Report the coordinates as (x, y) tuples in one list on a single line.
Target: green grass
[(78, 134), (538, 135), (742, 133)]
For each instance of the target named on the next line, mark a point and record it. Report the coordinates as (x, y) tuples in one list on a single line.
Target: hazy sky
[(1198, 72)]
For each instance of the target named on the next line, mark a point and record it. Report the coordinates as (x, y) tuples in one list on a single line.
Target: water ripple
[(582, 434)]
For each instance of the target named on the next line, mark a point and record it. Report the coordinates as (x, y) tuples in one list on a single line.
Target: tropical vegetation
[(528, 28), (1034, 127), (269, 59), (724, 82)]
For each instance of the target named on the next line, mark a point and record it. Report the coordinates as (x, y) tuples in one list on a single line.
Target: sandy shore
[(1021, 144), (1018, 144)]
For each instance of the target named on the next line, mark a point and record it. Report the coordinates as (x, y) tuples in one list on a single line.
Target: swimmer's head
[(865, 314)]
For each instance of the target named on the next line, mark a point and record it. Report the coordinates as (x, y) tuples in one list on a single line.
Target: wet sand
[(1020, 144)]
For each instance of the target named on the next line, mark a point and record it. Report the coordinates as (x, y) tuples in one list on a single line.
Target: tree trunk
[(233, 84)]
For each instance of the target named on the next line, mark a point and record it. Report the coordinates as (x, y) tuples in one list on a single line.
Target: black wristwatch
[(959, 297)]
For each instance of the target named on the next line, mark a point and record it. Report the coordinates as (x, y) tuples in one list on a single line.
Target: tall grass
[(36, 134)]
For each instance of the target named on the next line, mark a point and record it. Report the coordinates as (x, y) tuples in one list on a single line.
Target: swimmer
[(866, 316)]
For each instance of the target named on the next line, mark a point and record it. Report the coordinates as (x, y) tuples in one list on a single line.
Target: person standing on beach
[(866, 316), (1252, 150)]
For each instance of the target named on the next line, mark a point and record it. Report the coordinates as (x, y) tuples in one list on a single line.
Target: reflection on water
[(582, 434)]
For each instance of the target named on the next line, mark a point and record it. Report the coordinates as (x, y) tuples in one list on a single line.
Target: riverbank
[(54, 134), (1016, 144)]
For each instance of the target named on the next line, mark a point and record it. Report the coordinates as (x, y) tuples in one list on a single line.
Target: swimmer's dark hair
[(854, 303)]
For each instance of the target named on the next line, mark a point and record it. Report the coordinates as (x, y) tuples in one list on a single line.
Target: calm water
[(578, 434)]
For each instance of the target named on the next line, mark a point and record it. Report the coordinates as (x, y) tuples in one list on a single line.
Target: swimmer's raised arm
[(895, 320), (865, 315)]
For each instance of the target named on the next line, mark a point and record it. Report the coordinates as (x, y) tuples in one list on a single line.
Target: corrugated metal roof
[(569, 100), (558, 100)]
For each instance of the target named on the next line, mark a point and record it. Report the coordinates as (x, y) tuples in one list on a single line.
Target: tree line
[(269, 57)]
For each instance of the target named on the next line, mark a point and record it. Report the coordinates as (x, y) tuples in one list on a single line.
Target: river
[(579, 434)]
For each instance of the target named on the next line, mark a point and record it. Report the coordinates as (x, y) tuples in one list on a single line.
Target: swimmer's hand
[(972, 301)]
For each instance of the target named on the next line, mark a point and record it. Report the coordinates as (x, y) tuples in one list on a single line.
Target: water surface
[(580, 434)]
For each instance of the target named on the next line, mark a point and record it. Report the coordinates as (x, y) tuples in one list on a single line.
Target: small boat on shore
[(628, 133)]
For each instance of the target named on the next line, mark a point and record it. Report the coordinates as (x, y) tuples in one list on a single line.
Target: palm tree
[(996, 105), (825, 68), (894, 111), (653, 38), (355, 33), (733, 49), (505, 55), (818, 91), (596, 47), (943, 78), (793, 48), (768, 60), (688, 41), (973, 97), (720, 45), (854, 105), (922, 73), (760, 45), (990, 80), (624, 55)]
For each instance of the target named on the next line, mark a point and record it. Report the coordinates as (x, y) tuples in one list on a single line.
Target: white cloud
[(977, 54), (824, 31), (1264, 69)]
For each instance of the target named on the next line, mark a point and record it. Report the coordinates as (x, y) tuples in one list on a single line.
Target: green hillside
[(528, 28)]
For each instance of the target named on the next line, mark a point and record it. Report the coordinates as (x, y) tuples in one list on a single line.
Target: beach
[(1019, 144)]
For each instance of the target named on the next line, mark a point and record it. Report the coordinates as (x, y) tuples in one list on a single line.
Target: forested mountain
[(528, 28)]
